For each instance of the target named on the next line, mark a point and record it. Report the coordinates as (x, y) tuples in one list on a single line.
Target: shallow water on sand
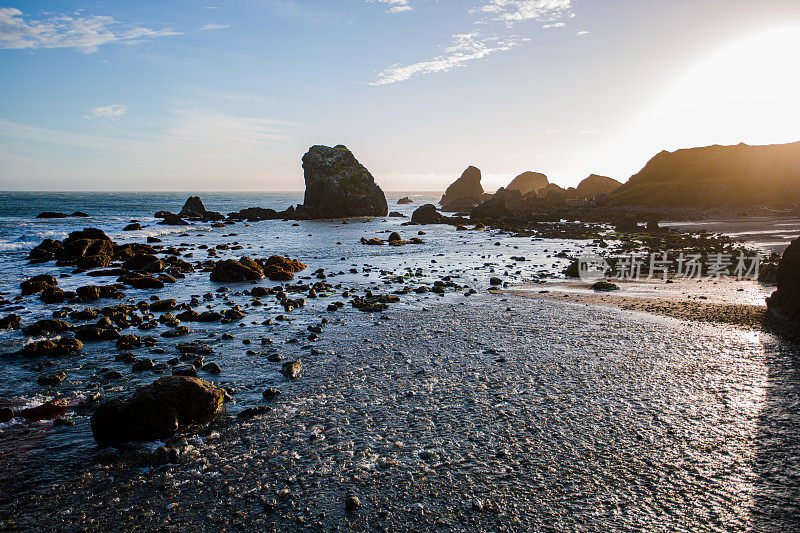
[(478, 412)]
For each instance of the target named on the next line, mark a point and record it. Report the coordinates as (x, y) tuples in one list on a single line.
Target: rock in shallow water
[(337, 185), (156, 411)]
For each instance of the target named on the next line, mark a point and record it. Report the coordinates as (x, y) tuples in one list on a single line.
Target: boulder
[(233, 271), (193, 208), (156, 411), (51, 214), (593, 186), (37, 284), (466, 190), (254, 214), (171, 219), (405, 200), (427, 214), (87, 248), (44, 251), (133, 226), (785, 301), (278, 268), (337, 185), (12, 321), (528, 182), (52, 348), (46, 326)]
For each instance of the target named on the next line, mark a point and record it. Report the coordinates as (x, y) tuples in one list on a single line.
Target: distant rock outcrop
[(337, 185), (464, 193), (528, 182), (194, 209), (717, 176), (785, 302), (594, 185)]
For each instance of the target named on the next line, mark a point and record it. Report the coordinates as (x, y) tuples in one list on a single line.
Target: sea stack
[(594, 185), (528, 182), (464, 193), (337, 186)]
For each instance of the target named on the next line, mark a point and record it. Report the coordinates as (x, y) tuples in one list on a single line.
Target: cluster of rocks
[(394, 239), (275, 268), (134, 264)]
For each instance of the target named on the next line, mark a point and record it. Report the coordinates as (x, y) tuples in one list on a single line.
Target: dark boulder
[(37, 284), (193, 208), (45, 251), (46, 326), (337, 185), (171, 219), (133, 226), (157, 411), (12, 321), (405, 200), (785, 301), (292, 369), (427, 214), (52, 348), (233, 271), (53, 295), (51, 214), (253, 214)]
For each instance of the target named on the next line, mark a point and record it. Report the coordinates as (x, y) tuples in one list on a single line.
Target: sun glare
[(745, 92)]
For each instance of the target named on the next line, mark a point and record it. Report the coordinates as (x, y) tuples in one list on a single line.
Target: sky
[(228, 95)]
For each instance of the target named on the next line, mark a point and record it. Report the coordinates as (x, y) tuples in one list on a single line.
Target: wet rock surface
[(156, 411)]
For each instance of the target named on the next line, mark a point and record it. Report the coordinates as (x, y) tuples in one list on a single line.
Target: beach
[(458, 407)]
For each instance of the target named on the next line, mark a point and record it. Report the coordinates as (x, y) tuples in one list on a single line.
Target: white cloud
[(512, 11), (108, 112), (466, 47), (212, 27), (582, 32), (476, 45), (83, 33), (395, 6)]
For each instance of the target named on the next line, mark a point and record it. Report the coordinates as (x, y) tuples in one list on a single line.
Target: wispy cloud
[(466, 47), (394, 6), (513, 11), (108, 112), (472, 46), (212, 27), (83, 33), (245, 133)]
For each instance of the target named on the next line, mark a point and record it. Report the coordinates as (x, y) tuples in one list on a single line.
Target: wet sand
[(724, 302)]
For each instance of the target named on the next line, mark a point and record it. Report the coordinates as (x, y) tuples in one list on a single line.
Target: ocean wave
[(30, 240)]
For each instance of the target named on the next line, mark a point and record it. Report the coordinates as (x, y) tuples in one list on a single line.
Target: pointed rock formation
[(464, 193), (337, 185)]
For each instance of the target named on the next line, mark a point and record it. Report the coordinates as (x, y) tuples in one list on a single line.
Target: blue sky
[(229, 95)]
